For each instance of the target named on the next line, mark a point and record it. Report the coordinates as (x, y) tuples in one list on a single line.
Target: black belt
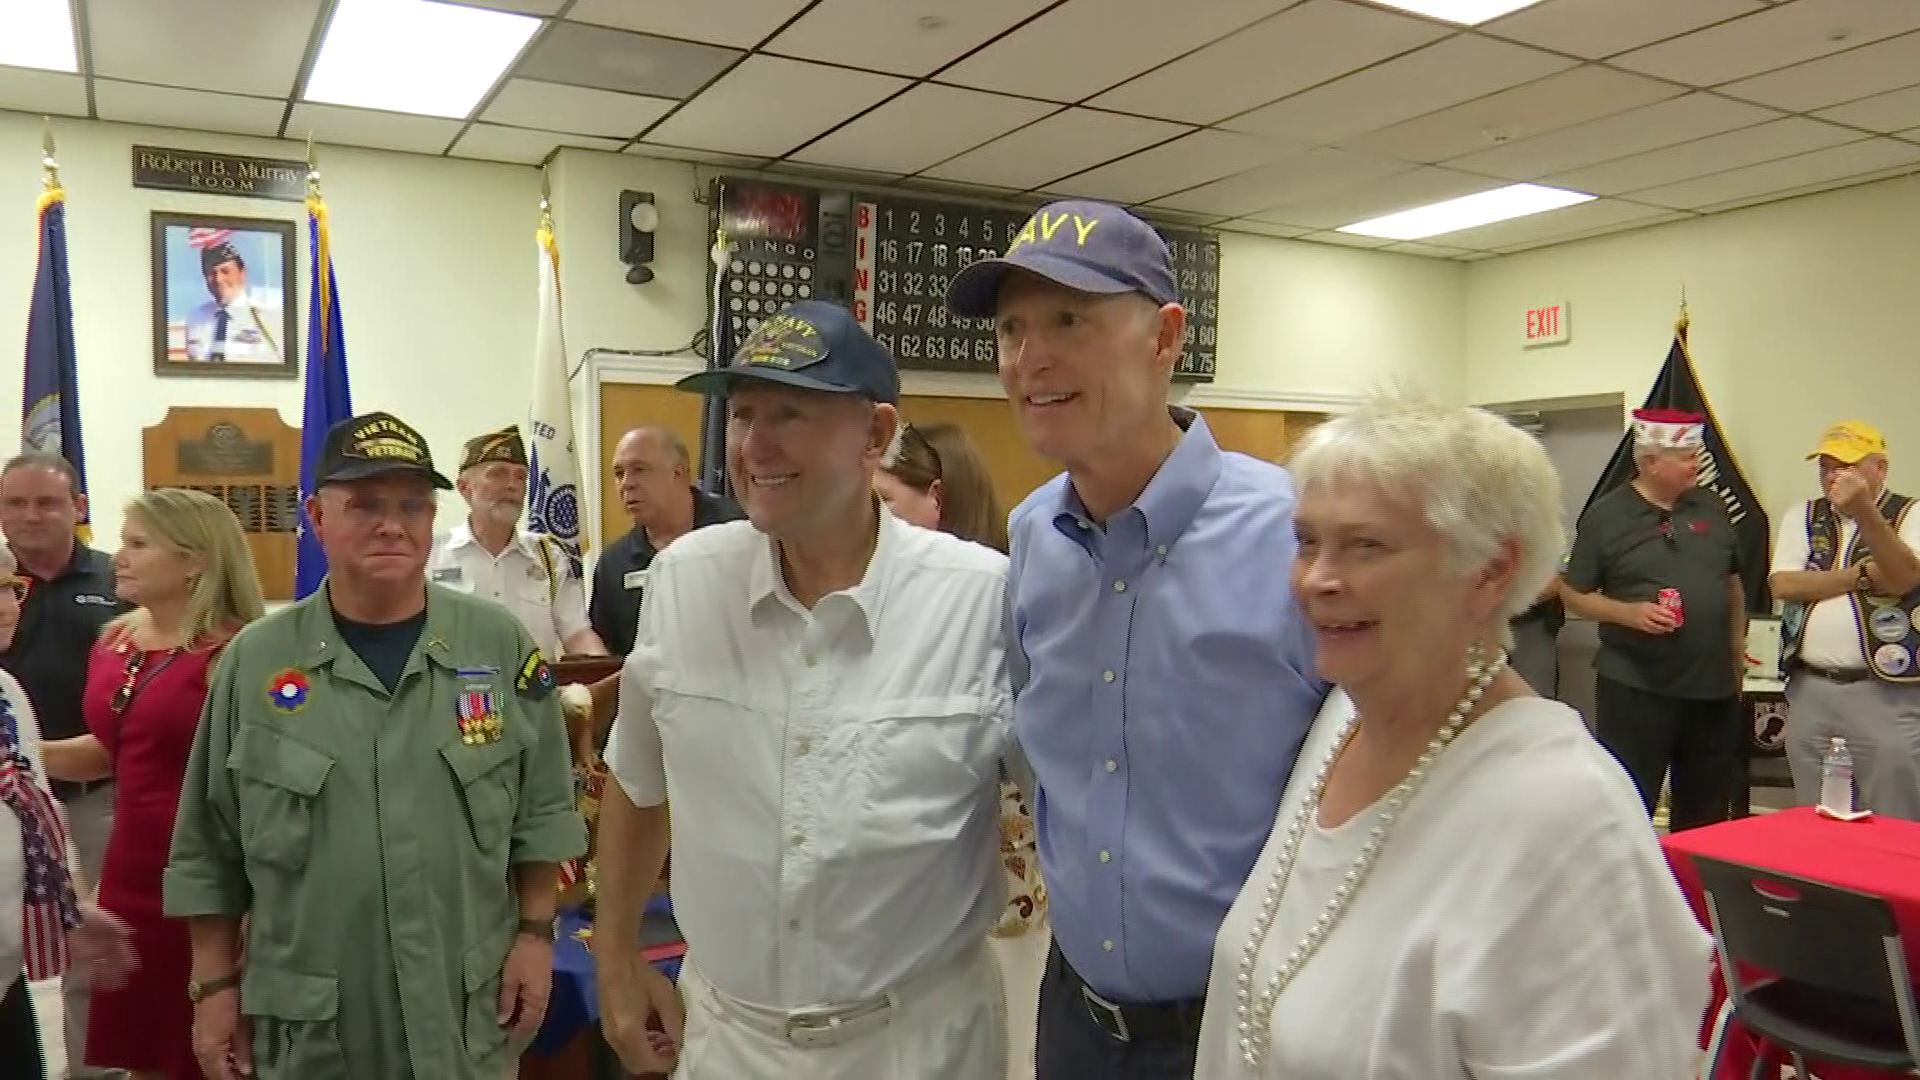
[(1843, 676), (69, 790), (1153, 1022)]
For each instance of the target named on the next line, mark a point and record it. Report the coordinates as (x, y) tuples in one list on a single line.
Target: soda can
[(1670, 599)]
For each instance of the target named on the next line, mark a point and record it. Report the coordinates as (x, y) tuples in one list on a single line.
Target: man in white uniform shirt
[(820, 693), (492, 557), (238, 324), (1845, 565)]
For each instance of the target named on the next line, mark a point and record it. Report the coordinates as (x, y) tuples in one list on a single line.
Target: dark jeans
[(1702, 744), (1071, 1046), (20, 1035)]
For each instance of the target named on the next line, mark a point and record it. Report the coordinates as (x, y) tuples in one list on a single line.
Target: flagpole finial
[(1680, 325), (313, 170), (49, 161), (546, 199)]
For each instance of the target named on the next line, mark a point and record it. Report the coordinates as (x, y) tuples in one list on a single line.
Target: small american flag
[(202, 239), (49, 908)]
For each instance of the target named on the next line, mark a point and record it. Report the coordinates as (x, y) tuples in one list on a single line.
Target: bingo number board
[(891, 259)]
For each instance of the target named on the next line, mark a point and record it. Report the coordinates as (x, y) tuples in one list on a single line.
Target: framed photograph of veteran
[(223, 296)]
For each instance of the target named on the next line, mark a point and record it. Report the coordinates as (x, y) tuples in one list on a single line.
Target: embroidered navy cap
[(1093, 247), (810, 345)]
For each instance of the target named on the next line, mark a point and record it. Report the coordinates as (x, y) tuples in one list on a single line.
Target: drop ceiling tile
[(1364, 201), (1718, 153), (1579, 218), (1085, 46), (1340, 239), (740, 23), (769, 105), (1664, 123), (1904, 171), (1594, 29), (1292, 178), (1449, 72), (1060, 145), (580, 110), (903, 37), (1784, 34), (1263, 228), (1590, 234), (177, 43), (492, 142), (973, 192), (198, 110), (1839, 163), (823, 175), (1848, 76), (1431, 251), (372, 128), (1571, 97), (1180, 219), (29, 90), (697, 157), (1896, 111), (523, 7), (1190, 160), (924, 126), (1298, 48), (582, 55)]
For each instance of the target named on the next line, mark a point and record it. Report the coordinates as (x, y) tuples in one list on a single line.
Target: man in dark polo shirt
[(1667, 683), (652, 471), (69, 597)]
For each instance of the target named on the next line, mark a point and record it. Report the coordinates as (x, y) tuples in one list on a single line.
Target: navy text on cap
[(1092, 247)]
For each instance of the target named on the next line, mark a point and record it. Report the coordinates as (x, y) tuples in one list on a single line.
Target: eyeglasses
[(136, 664), (911, 441), (18, 586)]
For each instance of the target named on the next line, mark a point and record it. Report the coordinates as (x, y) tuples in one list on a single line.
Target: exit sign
[(1547, 325)]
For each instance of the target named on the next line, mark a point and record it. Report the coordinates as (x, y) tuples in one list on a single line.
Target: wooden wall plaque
[(246, 458)]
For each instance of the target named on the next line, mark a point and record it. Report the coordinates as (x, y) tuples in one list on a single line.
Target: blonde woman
[(184, 564)]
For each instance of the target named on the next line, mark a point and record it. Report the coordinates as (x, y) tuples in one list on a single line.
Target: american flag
[(202, 239), (49, 908)]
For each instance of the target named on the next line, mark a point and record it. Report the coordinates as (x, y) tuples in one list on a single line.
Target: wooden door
[(623, 407)]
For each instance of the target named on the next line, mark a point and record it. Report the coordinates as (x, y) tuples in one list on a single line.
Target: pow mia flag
[(1678, 388)]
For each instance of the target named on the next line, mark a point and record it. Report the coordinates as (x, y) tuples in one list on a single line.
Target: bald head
[(652, 470)]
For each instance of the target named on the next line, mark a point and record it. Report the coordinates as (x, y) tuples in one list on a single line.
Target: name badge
[(634, 579), (94, 598), (447, 573)]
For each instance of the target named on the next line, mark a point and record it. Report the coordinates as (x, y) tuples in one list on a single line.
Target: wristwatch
[(1862, 581), (198, 991), (538, 929)]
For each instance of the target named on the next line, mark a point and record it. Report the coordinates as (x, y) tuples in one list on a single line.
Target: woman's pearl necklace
[(1255, 1014)]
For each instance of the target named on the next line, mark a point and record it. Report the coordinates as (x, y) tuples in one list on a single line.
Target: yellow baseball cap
[(1849, 442)]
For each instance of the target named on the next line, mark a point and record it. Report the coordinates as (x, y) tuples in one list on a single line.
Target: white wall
[(1804, 312), (434, 260)]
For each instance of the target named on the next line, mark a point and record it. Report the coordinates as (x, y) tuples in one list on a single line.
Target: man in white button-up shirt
[(821, 694), (490, 556)]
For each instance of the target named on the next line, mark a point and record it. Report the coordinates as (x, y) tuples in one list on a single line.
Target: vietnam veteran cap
[(1093, 247), (503, 445), (372, 444), (811, 345)]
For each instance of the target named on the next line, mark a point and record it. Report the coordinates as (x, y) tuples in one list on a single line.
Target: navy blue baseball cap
[(811, 345), (1093, 247)]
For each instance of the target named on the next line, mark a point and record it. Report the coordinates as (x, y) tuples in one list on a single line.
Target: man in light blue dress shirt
[(1164, 675)]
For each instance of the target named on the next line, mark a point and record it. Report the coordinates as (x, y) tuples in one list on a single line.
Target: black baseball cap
[(1091, 247), (810, 345), (374, 444)]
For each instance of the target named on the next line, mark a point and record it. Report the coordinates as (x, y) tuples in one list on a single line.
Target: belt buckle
[(818, 1027), (1107, 1015)]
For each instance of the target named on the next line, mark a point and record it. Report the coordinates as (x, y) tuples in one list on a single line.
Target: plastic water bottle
[(1836, 777)]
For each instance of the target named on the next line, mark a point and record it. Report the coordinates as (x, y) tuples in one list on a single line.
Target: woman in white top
[(97, 941), (1460, 881)]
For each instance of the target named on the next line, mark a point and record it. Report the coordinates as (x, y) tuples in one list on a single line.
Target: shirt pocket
[(916, 772), (533, 589), (280, 780), (294, 1016), (481, 971), (489, 788)]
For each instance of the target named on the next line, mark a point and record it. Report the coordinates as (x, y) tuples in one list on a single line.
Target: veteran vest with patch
[(1889, 626)]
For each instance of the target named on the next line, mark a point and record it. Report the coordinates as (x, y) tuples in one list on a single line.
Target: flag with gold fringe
[(553, 462), (50, 405), (327, 400)]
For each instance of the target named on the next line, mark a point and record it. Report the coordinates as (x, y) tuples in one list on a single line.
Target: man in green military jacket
[(380, 787)]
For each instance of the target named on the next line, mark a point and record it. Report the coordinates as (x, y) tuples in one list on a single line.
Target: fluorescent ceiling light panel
[(37, 34), (1466, 212), (415, 56), (1463, 12)]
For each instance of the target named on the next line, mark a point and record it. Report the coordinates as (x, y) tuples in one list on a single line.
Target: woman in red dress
[(184, 563)]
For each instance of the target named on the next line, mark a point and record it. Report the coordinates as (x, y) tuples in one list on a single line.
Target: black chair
[(1840, 991)]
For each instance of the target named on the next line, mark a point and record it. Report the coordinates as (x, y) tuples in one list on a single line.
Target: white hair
[(1479, 480)]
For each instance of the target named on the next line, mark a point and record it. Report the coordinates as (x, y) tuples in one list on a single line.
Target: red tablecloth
[(1878, 855)]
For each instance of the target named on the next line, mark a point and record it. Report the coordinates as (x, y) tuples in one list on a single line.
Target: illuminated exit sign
[(1547, 325)]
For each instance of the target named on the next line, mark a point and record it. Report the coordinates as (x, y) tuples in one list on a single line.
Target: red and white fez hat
[(1669, 429)]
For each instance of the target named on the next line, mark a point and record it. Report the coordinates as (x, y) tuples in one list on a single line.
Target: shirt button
[(797, 839), (1161, 551), (802, 745), (1112, 765), (1119, 586), (793, 924), (1107, 944), (1106, 856), (1107, 675), (806, 658)]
